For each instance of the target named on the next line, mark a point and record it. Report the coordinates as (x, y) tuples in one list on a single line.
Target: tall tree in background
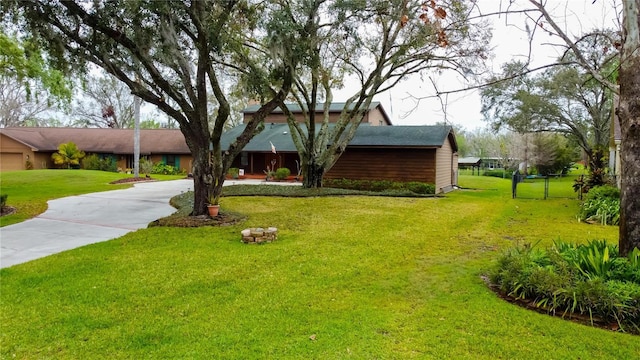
[(169, 53), (379, 43), (28, 86), (628, 108), (564, 99), (105, 102)]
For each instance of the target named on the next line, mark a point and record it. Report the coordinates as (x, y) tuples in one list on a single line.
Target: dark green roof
[(366, 136), (401, 136), (278, 134)]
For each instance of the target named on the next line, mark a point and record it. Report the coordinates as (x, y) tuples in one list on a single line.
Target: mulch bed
[(223, 219), (7, 210), (132, 180)]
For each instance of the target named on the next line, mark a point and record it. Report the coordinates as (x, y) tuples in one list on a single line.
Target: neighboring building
[(399, 153), (375, 116), (470, 162), (36, 145)]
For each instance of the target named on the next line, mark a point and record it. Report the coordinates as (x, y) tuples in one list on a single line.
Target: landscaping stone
[(259, 235)]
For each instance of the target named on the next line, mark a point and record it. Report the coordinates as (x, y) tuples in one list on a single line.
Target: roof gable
[(334, 107)]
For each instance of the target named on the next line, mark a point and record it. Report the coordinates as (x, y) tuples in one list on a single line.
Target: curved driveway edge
[(80, 220)]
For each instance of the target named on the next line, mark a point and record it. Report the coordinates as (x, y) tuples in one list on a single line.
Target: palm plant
[(68, 154)]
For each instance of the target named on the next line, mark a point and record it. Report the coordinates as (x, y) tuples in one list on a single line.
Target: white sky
[(508, 42)]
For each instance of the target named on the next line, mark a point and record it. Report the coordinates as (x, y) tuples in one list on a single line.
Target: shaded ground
[(7, 210), (223, 219)]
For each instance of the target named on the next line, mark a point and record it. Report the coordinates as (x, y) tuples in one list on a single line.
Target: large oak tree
[(374, 44), (170, 54)]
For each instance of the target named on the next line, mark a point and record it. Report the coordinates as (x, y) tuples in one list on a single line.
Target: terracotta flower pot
[(213, 210)]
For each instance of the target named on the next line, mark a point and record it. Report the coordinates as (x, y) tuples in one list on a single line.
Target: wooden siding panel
[(385, 164), (444, 174), (43, 160)]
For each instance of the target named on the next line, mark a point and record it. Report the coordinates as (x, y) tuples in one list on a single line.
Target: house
[(379, 151), (20, 146), (374, 116)]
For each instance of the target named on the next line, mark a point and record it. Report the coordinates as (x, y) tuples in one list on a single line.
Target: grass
[(30, 190), (353, 277)]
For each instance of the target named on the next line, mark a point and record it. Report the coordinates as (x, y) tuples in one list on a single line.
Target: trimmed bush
[(162, 168), (3, 200), (570, 279), (282, 173), (497, 173), (381, 185), (420, 188), (94, 162)]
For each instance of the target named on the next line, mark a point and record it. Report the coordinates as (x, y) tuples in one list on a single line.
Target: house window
[(171, 160), (244, 159)]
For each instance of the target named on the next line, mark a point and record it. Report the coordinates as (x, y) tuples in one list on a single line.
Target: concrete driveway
[(76, 221)]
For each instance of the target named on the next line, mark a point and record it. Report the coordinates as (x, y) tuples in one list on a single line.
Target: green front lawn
[(351, 277)]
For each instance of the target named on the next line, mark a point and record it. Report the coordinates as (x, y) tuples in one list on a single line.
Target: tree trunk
[(202, 181), (313, 175), (629, 115)]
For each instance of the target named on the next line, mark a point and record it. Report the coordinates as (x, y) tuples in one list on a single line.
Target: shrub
[(586, 279), (234, 173), (497, 173), (282, 173), (94, 162), (146, 166), (420, 188), (601, 205), (162, 168), (381, 185), (3, 200)]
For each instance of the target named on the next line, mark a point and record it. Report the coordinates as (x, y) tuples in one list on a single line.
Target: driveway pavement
[(76, 221)]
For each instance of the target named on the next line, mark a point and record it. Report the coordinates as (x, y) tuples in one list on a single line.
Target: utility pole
[(136, 136)]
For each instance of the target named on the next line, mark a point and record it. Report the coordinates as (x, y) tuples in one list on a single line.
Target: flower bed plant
[(589, 281), (601, 205)]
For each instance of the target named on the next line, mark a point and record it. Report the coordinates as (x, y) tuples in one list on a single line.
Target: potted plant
[(214, 205)]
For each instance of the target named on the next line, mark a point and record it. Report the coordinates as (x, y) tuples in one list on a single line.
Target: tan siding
[(43, 160), (385, 164), (13, 154), (375, 118), (444, 157), (186, 163)]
